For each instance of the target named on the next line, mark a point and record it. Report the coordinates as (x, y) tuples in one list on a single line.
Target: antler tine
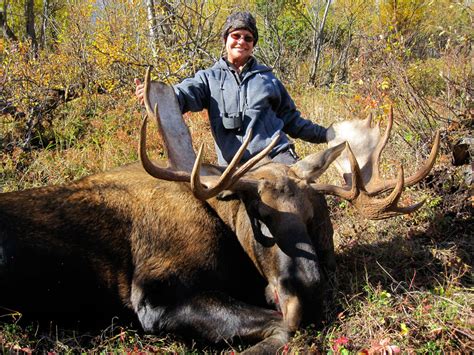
[(428, 165), (377, 209), (356, 181), (230, 175), (238, 156), (196, 186), (170, 172), (225, 180), (150, 167), (393, 199), (401, 210), (146, 93), (153, 111), (356, 176), (253, 161), (375, 180), (415, 178), (394, 196), (368, 121)]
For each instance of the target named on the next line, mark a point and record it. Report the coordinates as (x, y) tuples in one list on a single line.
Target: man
[(239, 94)]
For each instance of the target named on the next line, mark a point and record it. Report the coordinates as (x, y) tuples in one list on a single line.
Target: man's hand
[(139, 91)]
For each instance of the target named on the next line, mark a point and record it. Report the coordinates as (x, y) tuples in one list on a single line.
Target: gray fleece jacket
[(256, 99)]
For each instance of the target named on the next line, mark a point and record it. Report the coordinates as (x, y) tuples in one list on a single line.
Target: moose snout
[(295, 295), (294, 278), (292, 312)]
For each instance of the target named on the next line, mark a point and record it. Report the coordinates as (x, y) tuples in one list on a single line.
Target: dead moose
[(192, 248)]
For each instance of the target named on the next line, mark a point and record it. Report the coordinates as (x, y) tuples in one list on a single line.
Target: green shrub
[(425, 76)]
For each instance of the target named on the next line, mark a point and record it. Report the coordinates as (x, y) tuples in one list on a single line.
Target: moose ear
[(314, 165)]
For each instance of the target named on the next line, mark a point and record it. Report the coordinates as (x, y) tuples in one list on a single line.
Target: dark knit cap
[(240, 20)]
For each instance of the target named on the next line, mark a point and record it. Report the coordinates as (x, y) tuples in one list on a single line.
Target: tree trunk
[(30, 25), (319, 45), (44, 24), (166, 20), (7, 32), (153, 26)]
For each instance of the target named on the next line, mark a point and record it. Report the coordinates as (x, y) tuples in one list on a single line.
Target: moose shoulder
[(191, 248)]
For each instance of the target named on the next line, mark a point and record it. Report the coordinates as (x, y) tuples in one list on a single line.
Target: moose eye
[(263, 210)]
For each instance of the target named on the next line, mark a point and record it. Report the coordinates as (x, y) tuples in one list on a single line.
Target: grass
[(403, 283)]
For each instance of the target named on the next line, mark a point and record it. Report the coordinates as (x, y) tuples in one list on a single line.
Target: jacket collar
[(254, 68)]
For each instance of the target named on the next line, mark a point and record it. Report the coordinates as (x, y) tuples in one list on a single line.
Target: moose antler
[(179, 168), (369, 206), (364, 184), (367, 145), (231, 174), (162, 105)]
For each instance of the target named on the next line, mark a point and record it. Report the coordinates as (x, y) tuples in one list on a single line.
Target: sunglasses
[(237, 36)]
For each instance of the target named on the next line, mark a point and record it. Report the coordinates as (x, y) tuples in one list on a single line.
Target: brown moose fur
[(76, 250)]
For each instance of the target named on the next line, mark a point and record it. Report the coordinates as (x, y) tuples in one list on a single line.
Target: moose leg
[(216, 317)]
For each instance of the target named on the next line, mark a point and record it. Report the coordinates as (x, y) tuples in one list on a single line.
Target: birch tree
[(152, 26), (44, 24), (318, 44)]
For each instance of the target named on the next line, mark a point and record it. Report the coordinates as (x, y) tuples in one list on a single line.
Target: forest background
[(68, 110)]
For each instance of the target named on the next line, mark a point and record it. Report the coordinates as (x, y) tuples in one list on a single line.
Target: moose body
[(189, 248), (124, 241)]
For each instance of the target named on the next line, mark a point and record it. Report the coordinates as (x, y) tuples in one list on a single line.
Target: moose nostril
[(276, 297)]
